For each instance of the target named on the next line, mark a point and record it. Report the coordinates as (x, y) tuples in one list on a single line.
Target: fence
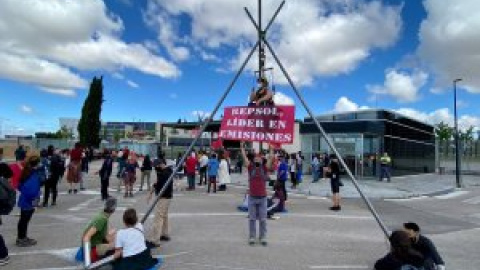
[(469, 153)]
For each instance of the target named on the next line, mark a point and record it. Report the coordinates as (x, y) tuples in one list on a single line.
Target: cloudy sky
[(163, 60)]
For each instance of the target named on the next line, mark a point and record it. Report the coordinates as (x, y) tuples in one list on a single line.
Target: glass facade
[(361, 137)]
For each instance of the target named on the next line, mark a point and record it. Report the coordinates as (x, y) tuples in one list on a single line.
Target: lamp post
[(457, 142)]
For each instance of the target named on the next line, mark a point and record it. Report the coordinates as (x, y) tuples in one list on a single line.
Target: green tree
[(444, 134), (89, 125)]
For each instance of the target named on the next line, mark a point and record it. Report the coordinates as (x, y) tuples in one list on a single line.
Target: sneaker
[(335, 208), (54, 203), (75, 191), (251, 241), (70, 191), (165, 238), (26, 242), (4, 261), (263, 242)]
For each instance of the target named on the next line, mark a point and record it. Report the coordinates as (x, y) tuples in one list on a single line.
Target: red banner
[(273, 124)]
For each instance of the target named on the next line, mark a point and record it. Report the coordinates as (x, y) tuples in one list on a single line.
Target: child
[(213, 166), (130, 250)]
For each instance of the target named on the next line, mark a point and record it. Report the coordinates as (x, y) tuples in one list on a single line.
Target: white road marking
[(452, 195), (61, 268), (339, 216), (83, 205), (317, 198), (407, 199), (474, 200), (339, 267), (210, 266)]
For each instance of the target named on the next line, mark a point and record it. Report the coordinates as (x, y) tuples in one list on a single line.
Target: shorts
[(212, 179), (335, 185)]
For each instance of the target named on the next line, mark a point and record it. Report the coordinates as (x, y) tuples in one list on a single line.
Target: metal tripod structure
[(262, 40)]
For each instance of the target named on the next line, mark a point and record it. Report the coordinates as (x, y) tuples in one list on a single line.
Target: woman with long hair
[(29, 188)]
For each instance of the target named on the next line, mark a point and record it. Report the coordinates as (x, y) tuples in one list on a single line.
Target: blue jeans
[(385, 173), (257, 210), (315, 173), (191, 181)]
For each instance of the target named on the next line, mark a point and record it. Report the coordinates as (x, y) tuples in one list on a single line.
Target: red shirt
[(257, 181), (76, 154), (190, 165), (17, 172)]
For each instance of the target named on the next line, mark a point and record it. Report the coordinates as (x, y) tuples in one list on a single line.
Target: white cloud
[(132, 84), (118, 76), (47, 40), (449, 42), (26, 109), (441, 115), (344, 104), (60, 91), (281, 99), (39, 72), (401, 85), (312, 37)]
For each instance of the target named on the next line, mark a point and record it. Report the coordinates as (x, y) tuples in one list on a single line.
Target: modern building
[(362, 136)]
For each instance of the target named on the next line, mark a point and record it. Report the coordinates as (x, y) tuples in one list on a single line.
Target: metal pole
[(182, 160), (329, 142), (457, 143), (205, 124), (261, 51)]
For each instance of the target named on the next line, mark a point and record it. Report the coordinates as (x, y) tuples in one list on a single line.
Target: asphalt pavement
[(209, 233)]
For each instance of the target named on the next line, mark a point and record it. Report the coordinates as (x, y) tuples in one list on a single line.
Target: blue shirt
[(283, 171), (213, 165)]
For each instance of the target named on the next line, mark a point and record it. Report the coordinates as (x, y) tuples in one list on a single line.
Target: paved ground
[(208, 233)]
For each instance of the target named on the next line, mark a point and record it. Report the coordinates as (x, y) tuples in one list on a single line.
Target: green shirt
[(99, 222)]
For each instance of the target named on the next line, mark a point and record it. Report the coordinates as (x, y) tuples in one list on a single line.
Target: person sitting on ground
[(401, 254), (97, 232), (276, 204), (131, 253), (433, 260), (263, 96)]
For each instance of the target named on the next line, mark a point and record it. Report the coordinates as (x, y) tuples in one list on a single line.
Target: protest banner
[(271, 124)]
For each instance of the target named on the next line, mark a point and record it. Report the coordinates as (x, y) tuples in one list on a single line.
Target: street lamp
[(457, 143)]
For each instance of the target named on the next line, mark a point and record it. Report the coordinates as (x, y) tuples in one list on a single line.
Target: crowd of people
[(131, 245)]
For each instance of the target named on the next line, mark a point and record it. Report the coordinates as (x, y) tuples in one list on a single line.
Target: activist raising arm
[(246, 162)]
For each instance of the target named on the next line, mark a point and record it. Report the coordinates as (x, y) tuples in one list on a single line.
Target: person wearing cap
[(263, 96), (97, 232)]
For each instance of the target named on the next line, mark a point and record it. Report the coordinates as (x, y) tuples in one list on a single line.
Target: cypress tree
[(90, 124)]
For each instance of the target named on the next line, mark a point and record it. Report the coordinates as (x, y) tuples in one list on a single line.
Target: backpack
[(8, 197)]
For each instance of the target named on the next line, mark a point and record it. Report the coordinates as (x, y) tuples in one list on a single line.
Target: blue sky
[(163, 60)]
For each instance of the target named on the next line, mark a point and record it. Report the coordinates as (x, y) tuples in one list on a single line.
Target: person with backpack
[(257, 202), (401, 256), (29, 187), (212, 171), (56, 168), (146, 170), (131, 252), (7, 203)]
